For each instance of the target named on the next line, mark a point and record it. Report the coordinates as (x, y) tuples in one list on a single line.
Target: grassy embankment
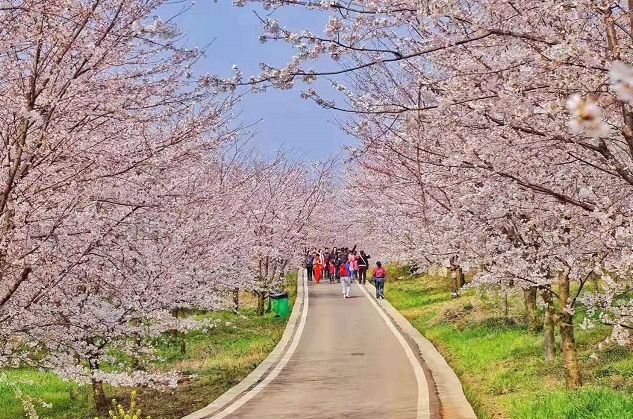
[(501, 365), (219, 359)]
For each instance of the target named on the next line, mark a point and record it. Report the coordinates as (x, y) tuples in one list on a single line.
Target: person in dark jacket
[(309, 265), (326, 263), (363, 265), (338, 261)]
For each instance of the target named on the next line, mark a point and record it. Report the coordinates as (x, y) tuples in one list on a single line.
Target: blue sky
[(286, 119)]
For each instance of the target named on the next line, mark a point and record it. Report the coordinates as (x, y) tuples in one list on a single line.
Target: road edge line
[(454, 404), (423, 402), (242, 389)]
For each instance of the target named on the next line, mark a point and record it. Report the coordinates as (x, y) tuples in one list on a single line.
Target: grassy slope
[(220, 359), (501, 365)]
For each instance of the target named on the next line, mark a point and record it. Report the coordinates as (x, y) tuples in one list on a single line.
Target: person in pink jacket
[(354, 265), (379, 275)]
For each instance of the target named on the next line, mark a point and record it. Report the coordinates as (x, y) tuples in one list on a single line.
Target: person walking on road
[(379, 275), (332, 272), (363, 265), (331, 266), (338, 261), (353, 264), (346, 281), (309, 264), (318, 267)]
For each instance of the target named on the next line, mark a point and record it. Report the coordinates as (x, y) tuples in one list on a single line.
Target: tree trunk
[(135, 358), (261, 303), (455, 271), (461, 278), (573, 378), (101, 402), (183, 343), (236, 300), (549, 324), (631, 18), (506, 308), (531, 311), (454, 283)]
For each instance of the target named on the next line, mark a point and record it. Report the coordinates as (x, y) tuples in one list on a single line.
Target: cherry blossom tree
[(105, 130), (460, 109), (127, 199), (287, 205)]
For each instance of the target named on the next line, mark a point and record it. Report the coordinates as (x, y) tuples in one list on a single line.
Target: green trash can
[(280, 304)]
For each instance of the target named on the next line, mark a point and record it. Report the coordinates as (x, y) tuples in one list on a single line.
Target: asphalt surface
[(348, 364)]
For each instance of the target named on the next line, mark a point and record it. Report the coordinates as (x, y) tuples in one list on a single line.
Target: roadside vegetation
[(501, 364), (213, 360)]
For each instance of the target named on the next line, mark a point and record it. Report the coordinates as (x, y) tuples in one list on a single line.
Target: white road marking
[(280, 366), (424, 410)]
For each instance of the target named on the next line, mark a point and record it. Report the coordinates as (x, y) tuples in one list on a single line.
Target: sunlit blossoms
[(467, 157), (621, 76), (127, 196), (586, 117)]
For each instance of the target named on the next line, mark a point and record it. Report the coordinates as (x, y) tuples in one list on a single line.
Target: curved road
[(349, 363)]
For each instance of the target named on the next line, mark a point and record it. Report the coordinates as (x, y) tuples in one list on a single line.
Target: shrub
[(118, 411)]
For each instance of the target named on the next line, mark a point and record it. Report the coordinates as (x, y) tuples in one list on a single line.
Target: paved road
[(348, 364)]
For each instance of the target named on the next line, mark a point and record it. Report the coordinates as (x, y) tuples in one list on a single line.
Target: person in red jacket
[(332, 272), (379, 275), (346, 281), (318, 267)]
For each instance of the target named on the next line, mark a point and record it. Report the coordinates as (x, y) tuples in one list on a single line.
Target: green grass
[(219, 359), (588, 403), (501, 365), (67, 399)]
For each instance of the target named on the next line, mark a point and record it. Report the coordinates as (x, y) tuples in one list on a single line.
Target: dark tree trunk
[(136, 362), (549, 325), (261, 303), (183, 343), (455, 271), (454, 283), (461, 278), (180, 337), (236, 300), (101, 402), (531, 311)]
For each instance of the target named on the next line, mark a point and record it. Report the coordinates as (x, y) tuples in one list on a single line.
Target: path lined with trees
[(495, 137), (129, 197), (347, 364)]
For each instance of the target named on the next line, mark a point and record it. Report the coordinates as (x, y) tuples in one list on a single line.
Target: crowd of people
[(343, 266)]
